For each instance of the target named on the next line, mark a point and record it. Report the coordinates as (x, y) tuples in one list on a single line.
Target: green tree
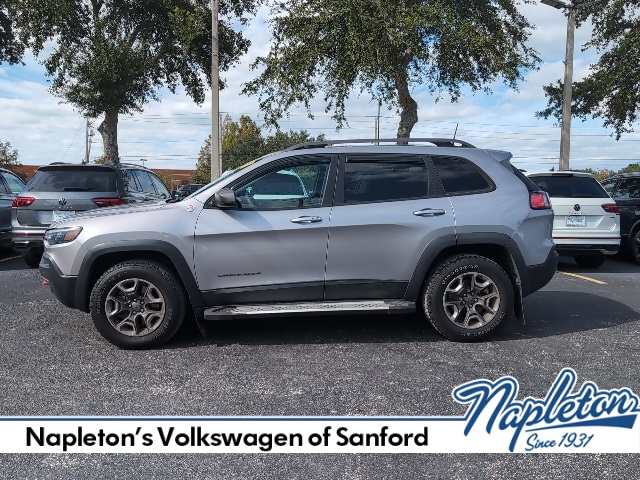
[(633, 167), (110, 57), (611, 90), (386, 49), (8, 156), (11, 49), (243, 142)]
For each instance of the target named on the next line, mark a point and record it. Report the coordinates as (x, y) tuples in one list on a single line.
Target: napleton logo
[(561, 419)]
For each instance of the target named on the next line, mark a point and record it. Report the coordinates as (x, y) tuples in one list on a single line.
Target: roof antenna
[(456, 132)]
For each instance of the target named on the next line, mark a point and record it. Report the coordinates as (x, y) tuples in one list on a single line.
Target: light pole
[(215, 94), (565, 132), (143, 160)]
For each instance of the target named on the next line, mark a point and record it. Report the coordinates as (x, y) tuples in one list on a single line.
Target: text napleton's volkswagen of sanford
[(434, 225)]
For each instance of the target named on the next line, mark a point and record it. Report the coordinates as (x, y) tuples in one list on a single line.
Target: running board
[(228, 312)]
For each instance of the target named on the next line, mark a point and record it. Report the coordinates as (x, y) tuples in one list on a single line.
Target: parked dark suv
[(446, 229), (625, 190), (58, 191), (10, 186), (186, 190)]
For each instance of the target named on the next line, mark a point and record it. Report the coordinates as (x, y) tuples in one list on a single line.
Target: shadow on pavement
[(619, 263), (548, 313)]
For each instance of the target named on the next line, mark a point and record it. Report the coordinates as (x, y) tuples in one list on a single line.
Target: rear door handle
[(429, 212), (306, 220)]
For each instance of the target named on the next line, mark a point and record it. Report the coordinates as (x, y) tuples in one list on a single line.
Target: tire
[(138, 304), (482, 313), (590, 261), (634, 244), (32, 259)]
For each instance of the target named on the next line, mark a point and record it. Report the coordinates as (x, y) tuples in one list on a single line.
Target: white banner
[(589, 420)]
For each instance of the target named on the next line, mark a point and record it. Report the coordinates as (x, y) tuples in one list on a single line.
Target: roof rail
[(438, 142)]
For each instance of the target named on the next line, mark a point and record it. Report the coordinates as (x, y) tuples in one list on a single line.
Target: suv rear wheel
[(137, 304), (466, 297), (635, 246)]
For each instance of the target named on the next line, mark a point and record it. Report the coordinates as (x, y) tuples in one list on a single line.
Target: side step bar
[(229, 312)]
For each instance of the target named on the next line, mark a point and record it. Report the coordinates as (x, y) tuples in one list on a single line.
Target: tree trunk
[(408, 106), (109, 131)]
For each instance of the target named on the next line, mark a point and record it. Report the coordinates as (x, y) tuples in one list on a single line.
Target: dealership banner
[(569, 419)]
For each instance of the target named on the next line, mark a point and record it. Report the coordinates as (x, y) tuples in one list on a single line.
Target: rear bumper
[(25, 240), (540, 275), (593, 249), (62, 286)]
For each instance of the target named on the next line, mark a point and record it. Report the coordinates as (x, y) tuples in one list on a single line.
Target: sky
[(170, 133)]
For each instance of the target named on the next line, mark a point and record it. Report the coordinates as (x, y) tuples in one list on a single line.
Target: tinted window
[(367, 181), (292, 187), (73, 180), (609, 186), (570, 186), (130, 182), (14, 183), (458, 175), (160, 188), (628, 188), (144, 181)]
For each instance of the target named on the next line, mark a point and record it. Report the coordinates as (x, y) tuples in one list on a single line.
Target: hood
[(118, 210)]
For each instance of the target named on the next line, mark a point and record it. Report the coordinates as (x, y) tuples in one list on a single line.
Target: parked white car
[(586, 223)]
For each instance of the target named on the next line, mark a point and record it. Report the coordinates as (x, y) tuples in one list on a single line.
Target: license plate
[(60, 215), (576, 221)]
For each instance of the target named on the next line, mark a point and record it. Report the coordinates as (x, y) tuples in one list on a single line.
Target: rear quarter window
[(570, 186), (459, 176)]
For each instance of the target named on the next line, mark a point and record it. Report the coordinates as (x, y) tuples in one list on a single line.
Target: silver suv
[(58, 191), (324, 227)]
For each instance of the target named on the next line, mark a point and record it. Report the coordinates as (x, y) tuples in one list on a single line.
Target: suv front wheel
[(137, 304), (466, 297)]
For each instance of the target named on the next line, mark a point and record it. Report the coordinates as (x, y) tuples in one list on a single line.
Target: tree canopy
[(11, 49), (8, 156), (387, 49), (111, 57), (611, 90), (241, 142)]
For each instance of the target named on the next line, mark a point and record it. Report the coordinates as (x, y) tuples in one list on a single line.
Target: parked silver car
[(58, 191), (323, 227), (10, 186)]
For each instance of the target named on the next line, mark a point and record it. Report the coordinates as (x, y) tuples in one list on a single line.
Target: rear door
[(387, 211)]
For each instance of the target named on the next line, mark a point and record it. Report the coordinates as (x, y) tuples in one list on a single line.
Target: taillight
[(22, 202), (611, 208), (107, 201), (539, 201)]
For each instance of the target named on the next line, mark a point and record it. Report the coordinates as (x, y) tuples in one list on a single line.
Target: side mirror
[(225, 198)]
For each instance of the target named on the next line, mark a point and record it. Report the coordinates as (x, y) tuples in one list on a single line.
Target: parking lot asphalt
[(53, 362)]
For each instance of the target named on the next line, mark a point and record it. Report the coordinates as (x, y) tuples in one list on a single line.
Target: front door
[(273, 247)]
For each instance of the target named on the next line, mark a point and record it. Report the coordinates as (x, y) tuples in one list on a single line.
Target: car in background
[(586, 223), (624, 188), (185, 190), (10, 186), (58, 191)]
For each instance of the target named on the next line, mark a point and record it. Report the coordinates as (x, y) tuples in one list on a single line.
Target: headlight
[(56, 236)]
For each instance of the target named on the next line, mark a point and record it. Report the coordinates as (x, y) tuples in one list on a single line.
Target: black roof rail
[(438, 142)]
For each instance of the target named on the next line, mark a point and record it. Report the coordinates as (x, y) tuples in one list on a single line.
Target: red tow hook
[(45, 283)]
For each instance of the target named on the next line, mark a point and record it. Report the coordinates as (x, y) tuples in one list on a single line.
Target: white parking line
[(588, 279)]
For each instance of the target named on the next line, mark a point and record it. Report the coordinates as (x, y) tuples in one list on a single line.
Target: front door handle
[(306, 220), (429, 212)]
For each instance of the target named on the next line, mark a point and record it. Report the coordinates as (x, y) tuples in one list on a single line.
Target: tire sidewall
[(162, 280), (440, 279)]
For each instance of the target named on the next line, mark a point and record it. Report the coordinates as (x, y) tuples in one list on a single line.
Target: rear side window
[(144, 181), (628, 189), (14, 184), (570, 186), (160, 188), (380, 181), (73, 180), (459, 175)]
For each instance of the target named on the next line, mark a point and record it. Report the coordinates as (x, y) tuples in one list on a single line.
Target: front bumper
[(62, 286)]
